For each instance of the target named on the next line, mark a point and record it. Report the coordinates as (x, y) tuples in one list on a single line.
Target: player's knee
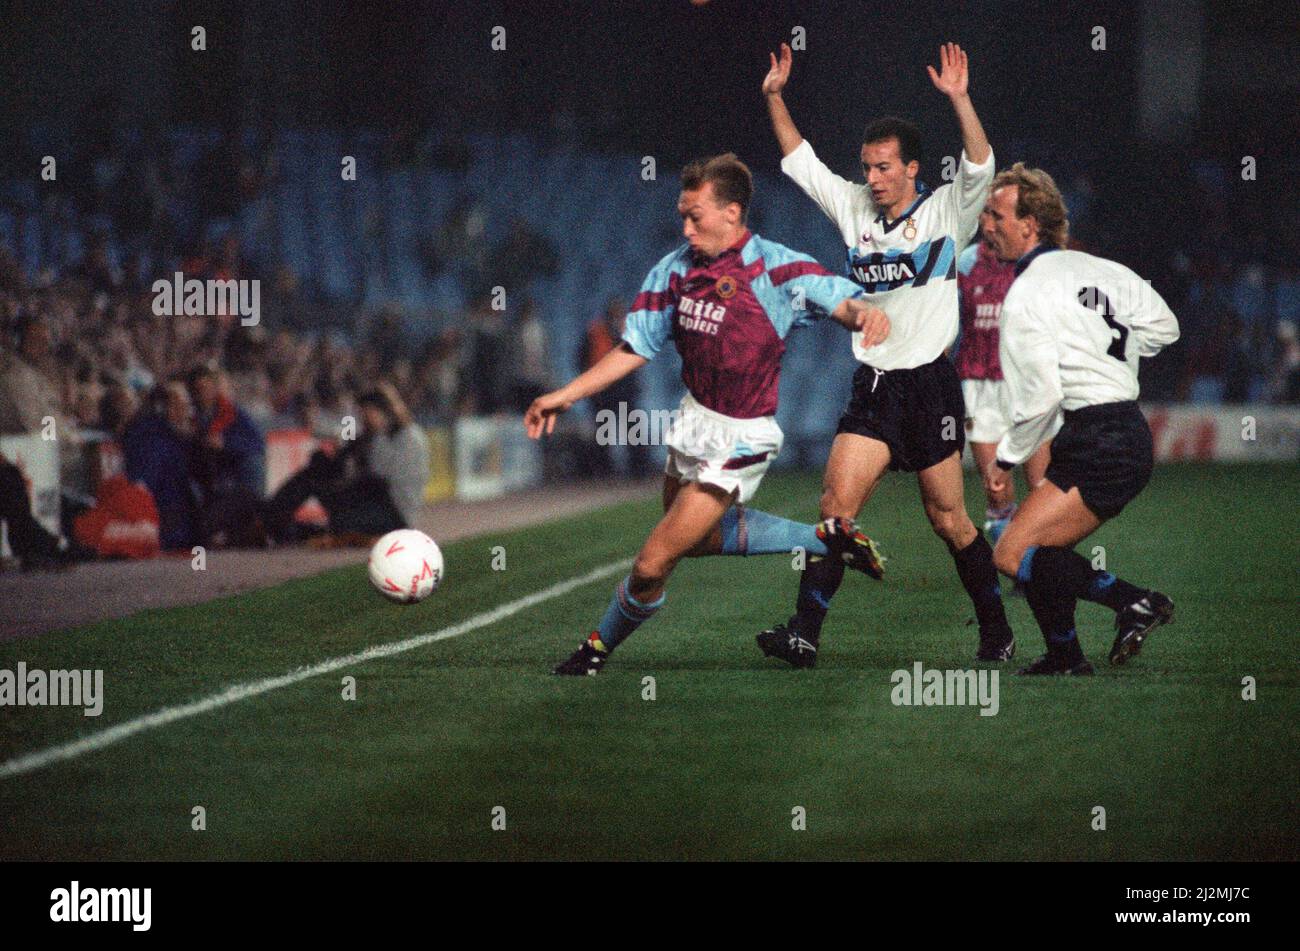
[(1007, 555), (955, 528), (945, 522)]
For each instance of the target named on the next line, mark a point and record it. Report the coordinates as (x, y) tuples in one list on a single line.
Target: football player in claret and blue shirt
[(727, 299), (905, 411)]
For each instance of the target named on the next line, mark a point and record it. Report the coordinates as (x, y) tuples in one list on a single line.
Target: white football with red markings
[(406, 566)]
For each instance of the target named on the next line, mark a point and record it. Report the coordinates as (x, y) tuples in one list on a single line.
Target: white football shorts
[(712, 449), (988, 409)]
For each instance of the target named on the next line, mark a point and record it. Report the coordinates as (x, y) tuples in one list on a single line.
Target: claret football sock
[(751, 532), (1069, 573), (623, 616), (980, 579)]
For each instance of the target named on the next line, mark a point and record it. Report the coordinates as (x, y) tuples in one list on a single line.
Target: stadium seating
[(359, 242)]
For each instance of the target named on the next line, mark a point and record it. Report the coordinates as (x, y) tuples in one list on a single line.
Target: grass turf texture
[(712, 768)]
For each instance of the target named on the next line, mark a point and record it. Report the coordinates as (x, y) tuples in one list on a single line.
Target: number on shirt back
[(1094, 299)]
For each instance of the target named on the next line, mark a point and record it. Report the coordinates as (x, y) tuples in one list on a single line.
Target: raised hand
[(779, 74), (953, 79)]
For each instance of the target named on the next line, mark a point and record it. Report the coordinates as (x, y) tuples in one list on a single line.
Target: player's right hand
[(871, 321), (779, 74), (543, 411), (954, 80), (874, 327)]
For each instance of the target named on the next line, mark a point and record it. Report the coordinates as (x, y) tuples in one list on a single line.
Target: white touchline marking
[(97, 741)]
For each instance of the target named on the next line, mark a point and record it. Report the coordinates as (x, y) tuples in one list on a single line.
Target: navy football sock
[(980, 579), (1055, 617), (817, 585), (1069, 573)]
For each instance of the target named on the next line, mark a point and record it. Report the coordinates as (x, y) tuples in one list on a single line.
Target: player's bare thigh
[(943, 492), (692, 517), (853, 471), (1047, 517), (712, 543)]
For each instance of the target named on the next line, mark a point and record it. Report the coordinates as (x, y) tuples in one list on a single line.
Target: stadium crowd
[(81, 343), (189, 398)]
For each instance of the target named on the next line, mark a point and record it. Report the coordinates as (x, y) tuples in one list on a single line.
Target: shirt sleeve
[(650, 321), (964, 198), (1152, 323), (801, 289), (1031, 369), (816, 293), (966, 260), (834, 195)]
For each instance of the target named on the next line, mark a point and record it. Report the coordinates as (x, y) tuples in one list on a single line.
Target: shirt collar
[(922, 193), (1028, 258), (701, 261)]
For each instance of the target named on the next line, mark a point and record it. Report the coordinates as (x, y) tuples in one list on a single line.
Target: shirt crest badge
[(726, 286), (909, 229)]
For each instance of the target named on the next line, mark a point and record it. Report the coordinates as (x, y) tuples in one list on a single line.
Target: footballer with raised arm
[(982, 282), (1073, 328), (905, 410), (727, 299)]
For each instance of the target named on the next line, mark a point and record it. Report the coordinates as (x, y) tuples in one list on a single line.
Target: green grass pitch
[(714, 766)]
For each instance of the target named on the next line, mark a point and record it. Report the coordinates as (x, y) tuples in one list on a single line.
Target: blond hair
[(730, 176), (1038, 197)]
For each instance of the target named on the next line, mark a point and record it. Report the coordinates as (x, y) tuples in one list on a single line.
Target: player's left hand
[(953, 80), (995, 478)]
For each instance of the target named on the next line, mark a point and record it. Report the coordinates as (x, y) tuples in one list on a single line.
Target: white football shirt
[(1073, 328), (907, 266)]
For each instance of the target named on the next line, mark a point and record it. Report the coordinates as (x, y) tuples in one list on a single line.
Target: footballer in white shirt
[(1073, 329), (905, 410)]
